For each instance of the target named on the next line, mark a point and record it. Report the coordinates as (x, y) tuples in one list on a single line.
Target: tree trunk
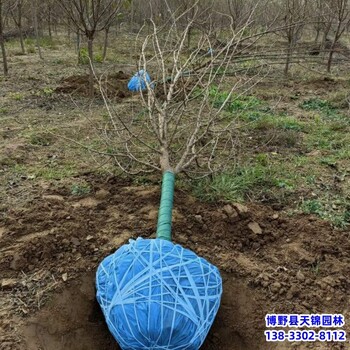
[(35, 21), (91, 71), (318, 30), (18, 21), (68, 29), (21, 40), (78, 46), (105, 45), (132, 17), (288, 58), (20, 27), (2, 42), (330, 60), (49, 22), (337, 36)]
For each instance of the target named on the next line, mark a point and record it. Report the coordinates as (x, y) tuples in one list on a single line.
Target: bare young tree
[(339, 20), (17, 16), (90, 17), (36, 27), (179, 126), (240, 11), (294, 14)]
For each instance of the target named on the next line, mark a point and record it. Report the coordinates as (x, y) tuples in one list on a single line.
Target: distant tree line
[(320, 23)]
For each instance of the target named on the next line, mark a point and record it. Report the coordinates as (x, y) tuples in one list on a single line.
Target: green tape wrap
[(166, 206)]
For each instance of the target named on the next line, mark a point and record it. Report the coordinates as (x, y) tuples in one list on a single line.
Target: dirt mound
[(113, 85), (270, 264)]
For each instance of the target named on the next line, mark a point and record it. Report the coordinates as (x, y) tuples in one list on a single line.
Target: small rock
[(300, 276), (228, 210), (102, 194), (241, 209), (153, 214), (65, 277), (75, 241), (264, 284), (275, 287), (89, 237), (199, 218), (53, 198), (8, 283), (275, 216), (255, 228), (314, 153)]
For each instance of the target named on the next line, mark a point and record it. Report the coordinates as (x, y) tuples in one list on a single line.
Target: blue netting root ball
[(157, 295), (138, 81)]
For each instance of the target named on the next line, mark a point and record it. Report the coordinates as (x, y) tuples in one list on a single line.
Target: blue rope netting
[(138, 81), (157, 295)]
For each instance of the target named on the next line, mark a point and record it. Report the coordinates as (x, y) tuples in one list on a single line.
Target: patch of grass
[(233, 103), (80, 190), (17, 96), (55, 173), (327, 112), (59, 61), (44, 41), (315, 104), (312, 206), (331, 209), (84, 56), (234, 186), (40, 139), (51, 171), (31, 49)]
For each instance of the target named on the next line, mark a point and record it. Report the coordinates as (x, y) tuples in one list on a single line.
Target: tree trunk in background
[(132, 15), (68, 29), (78, 46), (18, 22), (105, 45), (330, 59), (288, 58), (91, 72), (35, 21), (49, 21), (2, 42), (317, 36)]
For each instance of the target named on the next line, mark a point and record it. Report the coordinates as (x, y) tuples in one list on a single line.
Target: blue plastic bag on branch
[(138, 81), (158, 295)]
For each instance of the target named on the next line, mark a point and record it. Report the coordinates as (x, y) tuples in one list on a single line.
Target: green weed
[(234, 186), (84, 56), (80, 190), (232, 103), (39, 139), (17, 96)]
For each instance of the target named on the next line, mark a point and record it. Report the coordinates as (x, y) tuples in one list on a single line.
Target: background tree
[(17, 16), (36, 26), (90, 17), (339, 11), (293, 14)]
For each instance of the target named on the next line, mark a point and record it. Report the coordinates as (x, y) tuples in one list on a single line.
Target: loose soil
[(270, 264), (113, 85)]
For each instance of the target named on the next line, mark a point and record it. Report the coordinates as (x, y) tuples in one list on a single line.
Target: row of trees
[(321, 21)]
